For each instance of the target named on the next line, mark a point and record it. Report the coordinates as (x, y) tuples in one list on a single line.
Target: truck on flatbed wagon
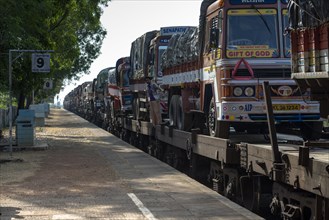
[(85, 95), (99, 101), (309, 32), (145, 61), (240, 45), (118, 95)]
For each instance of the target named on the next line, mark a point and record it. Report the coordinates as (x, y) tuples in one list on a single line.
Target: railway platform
[(87, 173)]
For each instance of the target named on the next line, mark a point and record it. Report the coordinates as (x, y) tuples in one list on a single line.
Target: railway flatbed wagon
[(243, 167), (300, 185)]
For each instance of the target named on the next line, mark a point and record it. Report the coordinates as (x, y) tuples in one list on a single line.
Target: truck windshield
[(112, 79), (102, 78), (125, 78), (161, 50), (252, 33), (287, 46)]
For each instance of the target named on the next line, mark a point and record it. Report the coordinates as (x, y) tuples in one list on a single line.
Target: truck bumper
[(284, 111)]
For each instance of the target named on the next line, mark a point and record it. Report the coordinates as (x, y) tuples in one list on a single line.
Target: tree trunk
[(21, 101)]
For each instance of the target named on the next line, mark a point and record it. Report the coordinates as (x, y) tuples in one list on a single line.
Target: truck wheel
[(212, 119), (135, 108), (216, 128), (111, 117), (173, 110), (108, 111), (112, 110), (180, 114)]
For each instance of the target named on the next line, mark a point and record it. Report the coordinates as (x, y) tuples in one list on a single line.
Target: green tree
[(71, 28)]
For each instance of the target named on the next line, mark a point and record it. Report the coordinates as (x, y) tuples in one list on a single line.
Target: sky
[(126, 20)]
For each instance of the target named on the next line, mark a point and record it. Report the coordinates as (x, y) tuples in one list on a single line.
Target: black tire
[(111, 120), (212, 120), (180, 119), (112, 113), (216, 128), (108, 110), (173, 110), (135, 108)]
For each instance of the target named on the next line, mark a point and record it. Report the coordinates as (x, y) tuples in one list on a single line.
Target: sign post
[(42, 64)]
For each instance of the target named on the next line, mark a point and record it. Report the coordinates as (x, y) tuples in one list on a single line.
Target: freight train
[(220, 88)]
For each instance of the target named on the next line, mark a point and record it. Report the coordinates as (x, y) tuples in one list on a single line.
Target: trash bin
[(39, 111), (25, 127), (47, 109)]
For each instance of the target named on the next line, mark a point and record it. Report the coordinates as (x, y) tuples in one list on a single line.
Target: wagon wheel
[(169, 156), (159, 150), (256, 193)]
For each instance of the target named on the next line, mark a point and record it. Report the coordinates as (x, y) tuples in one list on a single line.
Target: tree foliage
[(71, 28)]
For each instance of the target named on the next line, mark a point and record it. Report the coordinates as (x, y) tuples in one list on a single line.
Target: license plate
[(286, 107)]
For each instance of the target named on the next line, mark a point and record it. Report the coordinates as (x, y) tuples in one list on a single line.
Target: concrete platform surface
[(87, 173)]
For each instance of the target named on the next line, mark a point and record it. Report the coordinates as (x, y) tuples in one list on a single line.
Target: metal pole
[(33, 95), (10, 108), (271, 125), (10, 91)]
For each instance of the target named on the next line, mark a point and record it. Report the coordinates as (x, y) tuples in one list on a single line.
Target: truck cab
[(145, 62), (241, 44)]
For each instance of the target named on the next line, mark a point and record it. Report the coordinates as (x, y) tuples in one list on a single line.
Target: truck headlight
[(249, 91), (237, 91)]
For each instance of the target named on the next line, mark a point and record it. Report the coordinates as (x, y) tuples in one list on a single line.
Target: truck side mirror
[(214, 38)]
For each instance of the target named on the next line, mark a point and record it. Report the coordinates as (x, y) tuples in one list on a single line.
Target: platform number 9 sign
[(48, 84), (40, 63)]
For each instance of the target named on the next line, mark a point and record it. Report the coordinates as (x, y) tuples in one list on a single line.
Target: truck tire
[(135, 108), (216, 128), (112, 110), (180, 114), (173, 110)]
